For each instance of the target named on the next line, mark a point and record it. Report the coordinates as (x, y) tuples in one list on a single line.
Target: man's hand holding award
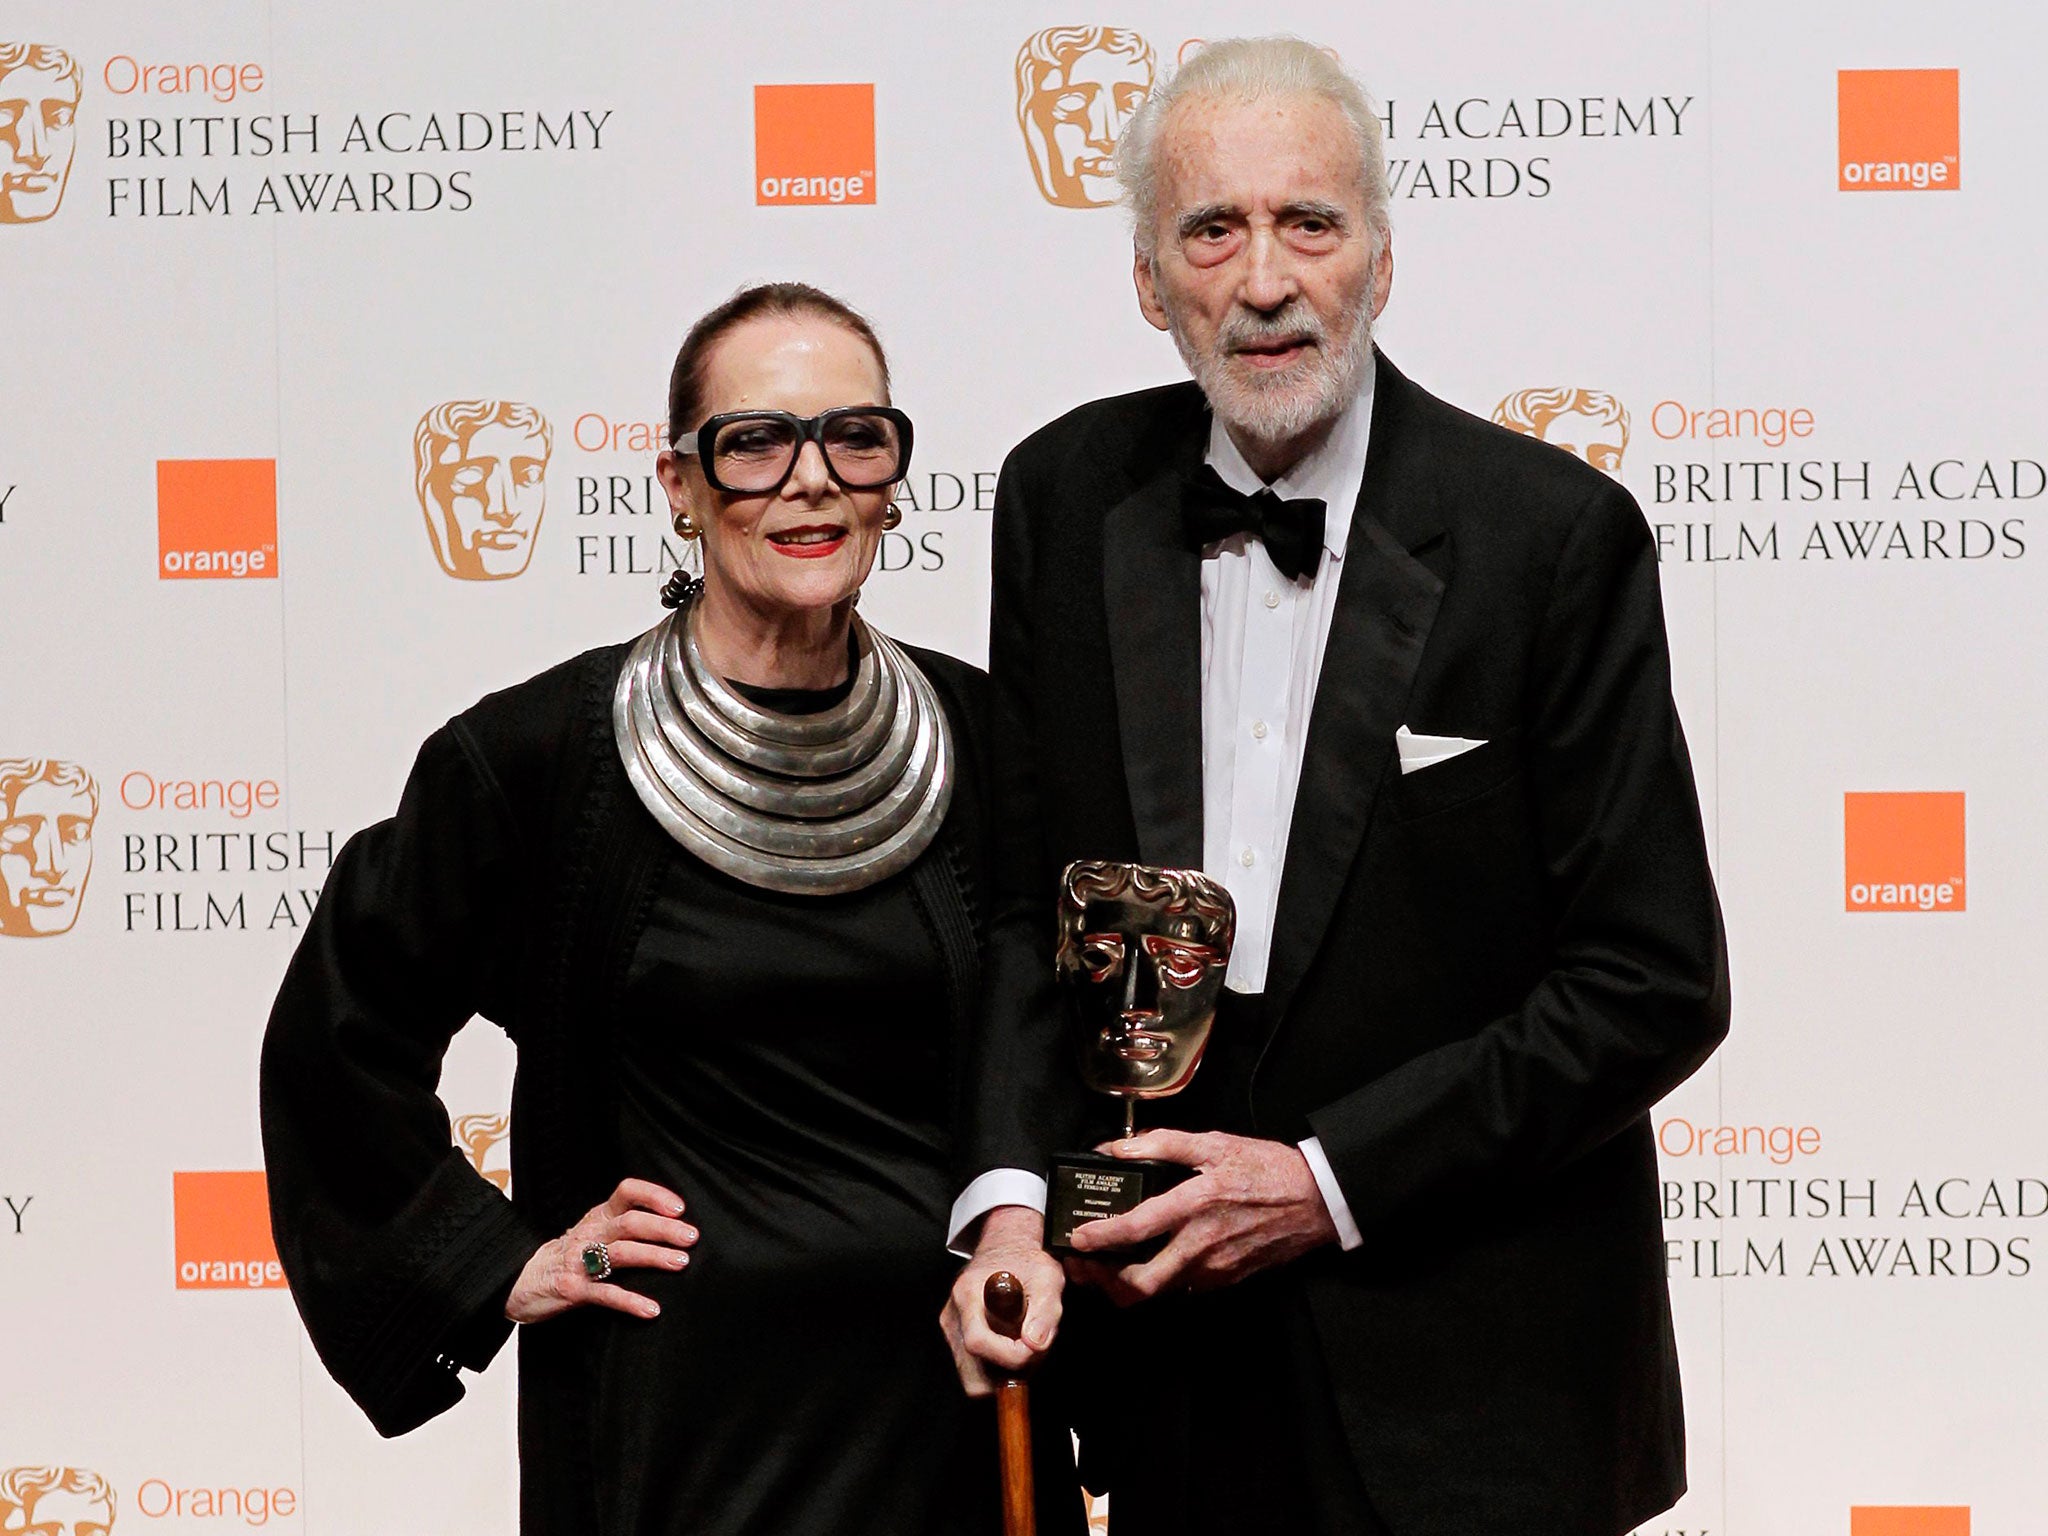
[(1143, 953)]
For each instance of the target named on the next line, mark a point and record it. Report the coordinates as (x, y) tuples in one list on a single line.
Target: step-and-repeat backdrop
[(268, 270)]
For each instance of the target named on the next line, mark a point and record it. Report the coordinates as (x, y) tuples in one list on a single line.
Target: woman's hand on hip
[(640, 1227)]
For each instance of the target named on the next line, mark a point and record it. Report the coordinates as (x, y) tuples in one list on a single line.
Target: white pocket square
[(1427, 751)]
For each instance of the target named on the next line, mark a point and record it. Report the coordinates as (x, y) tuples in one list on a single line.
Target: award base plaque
[(1081, 1187)]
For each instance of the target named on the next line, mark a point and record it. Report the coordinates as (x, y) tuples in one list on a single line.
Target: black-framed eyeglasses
[(753, 453)]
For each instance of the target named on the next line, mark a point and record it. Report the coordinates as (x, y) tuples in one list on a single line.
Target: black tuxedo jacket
[(1483, 973)]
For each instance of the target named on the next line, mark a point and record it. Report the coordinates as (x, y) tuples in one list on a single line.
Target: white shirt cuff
[(999, 1186), (1348, 1235)]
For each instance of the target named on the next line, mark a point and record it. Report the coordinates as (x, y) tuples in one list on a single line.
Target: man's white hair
[(1250, 69)]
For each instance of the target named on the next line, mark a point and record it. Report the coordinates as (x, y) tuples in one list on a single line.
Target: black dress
[(787, 1064), (784, 1067)]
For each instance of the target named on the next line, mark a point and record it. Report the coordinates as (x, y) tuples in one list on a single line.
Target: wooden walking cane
[(1003, 1299)]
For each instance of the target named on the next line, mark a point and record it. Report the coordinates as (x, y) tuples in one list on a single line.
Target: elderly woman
[(719, 888)]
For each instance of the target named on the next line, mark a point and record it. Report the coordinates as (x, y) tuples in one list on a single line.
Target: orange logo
[(1907, 1520), (216, 519), (1899, 130), (478, 1135), (1903, 852), (56, 1501), (1589, 423), (814, 144), (1076, 88), (480, 470), (47, 810), (39, 90), (223, 1232)]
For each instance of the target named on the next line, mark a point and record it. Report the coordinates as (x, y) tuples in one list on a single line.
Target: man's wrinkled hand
[(1013, 1238), (1252, 1205)]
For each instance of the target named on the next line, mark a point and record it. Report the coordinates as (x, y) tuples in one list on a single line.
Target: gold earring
[(685, 529), (891, 515)]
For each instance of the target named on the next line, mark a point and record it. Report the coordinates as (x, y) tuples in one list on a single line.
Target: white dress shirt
[(1262, 652)]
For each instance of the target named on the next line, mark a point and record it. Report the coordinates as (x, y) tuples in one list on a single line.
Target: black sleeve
[(1023, 1106), (399, 1254), (1636, 996)]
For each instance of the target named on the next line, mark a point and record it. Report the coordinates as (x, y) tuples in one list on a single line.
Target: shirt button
[(1247, 858), (1258, 730), (1272, 599)]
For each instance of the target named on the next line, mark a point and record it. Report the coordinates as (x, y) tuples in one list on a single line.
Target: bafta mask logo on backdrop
[(480, 467), (55, 1501), (39, 92), (1904, 852), (1076, 88), (479, 1136), (1898, 130), (1589, 423), (47, 811)]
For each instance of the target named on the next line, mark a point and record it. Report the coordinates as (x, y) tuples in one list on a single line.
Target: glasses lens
[(864, 448), (753, 453)]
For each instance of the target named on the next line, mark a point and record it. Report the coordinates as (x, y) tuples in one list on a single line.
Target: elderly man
[(1397, 678)]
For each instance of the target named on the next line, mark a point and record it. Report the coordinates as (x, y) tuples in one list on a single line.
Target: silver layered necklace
[(810, 804)]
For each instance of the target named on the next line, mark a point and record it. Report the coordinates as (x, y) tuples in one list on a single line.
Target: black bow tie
[(1291, 530)]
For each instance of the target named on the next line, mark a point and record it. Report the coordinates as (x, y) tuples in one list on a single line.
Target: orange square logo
[(1909, 1520), (1899, 130), (222, 1221), (1903, 852), (216, 519), (814, 144)]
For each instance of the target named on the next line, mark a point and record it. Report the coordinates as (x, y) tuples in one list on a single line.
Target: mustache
[(1296, 322)]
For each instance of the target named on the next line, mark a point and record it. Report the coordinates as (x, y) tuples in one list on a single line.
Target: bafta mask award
[(1142, 952)]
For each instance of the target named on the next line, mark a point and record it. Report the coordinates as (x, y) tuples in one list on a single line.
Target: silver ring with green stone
[(597, 1261)]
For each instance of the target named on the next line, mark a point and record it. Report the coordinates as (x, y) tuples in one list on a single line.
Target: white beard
[(1280, 406)]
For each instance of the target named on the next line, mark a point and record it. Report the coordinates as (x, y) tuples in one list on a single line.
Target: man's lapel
[(1396, 562), (1152, 584)]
